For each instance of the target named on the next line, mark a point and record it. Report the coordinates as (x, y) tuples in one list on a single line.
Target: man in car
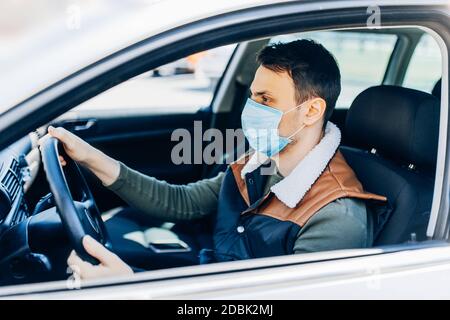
[(311, 201)]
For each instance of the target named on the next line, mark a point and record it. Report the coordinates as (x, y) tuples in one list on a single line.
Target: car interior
[(389, 126)]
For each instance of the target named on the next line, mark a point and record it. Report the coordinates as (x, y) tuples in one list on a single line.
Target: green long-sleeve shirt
[(342, 224)]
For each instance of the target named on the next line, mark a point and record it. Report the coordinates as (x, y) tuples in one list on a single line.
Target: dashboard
[(19, 164), (21, 261)]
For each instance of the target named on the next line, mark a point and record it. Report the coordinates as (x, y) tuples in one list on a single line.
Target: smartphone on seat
[(169, 246)]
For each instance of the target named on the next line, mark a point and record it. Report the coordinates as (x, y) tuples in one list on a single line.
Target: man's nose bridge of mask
[(281, 113)]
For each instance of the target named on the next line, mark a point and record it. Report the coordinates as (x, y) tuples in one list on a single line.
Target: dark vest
[(250, 224)]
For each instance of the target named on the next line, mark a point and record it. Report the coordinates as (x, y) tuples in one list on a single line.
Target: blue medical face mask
[(260, 125)]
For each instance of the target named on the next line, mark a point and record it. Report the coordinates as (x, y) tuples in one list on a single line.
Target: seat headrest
[(437, 89), (399, 123)]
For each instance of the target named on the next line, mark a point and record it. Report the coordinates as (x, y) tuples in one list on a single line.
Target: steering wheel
[(80, 217)]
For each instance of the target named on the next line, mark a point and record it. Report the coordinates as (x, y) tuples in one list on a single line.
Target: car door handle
[(84, 126), (79, 125)]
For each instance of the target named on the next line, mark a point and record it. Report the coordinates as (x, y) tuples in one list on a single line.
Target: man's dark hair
[(313, 69)]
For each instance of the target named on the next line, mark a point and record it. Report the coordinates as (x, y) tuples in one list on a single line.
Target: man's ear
[(315, 111)]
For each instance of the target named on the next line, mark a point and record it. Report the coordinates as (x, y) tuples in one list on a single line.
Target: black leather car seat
[(437, 89), (395, 134)]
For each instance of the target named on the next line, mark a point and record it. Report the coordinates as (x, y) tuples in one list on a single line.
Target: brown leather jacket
[(338, 180)]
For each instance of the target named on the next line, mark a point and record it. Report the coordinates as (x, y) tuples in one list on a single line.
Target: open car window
[(185, 85)]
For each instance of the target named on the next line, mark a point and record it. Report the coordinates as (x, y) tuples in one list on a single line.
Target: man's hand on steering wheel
[(110, 264), (75, 147), (81, 217), (105, 168)]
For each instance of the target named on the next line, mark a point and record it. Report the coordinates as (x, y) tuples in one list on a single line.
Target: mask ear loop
[(299, 106), (297, 131), (302, 127)]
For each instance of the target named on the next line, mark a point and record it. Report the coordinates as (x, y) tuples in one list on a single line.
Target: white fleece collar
[(293, 188)]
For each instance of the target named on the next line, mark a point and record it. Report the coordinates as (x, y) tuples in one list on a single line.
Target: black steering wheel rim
[(79, 218)]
